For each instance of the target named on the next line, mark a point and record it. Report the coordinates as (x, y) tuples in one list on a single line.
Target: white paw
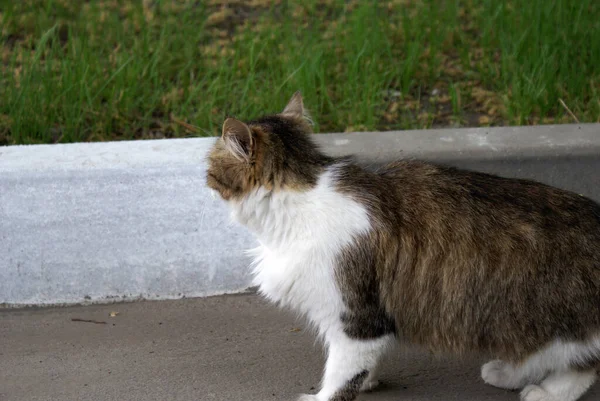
[(500, 374), (369, 385), (536, 393)]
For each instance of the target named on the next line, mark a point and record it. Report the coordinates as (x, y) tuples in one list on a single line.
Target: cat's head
[(274, 152)]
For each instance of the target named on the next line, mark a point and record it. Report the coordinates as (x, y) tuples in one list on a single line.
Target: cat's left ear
[(238, 139), (295, 108)]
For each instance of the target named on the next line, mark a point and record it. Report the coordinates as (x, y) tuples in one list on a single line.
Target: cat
[(412, 252)]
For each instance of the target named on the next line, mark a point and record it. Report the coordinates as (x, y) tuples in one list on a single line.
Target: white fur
[(301, 234), (552, 367), (233, 145), (560, 386), (502, 374), (347, 358)]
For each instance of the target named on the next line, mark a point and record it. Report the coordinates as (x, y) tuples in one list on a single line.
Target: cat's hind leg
[(561, 386), (561, 371), (510, 376), (567, 385)]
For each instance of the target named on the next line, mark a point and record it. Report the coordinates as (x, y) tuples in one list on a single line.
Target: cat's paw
[(369, 385), (536, 393), (500, 374)]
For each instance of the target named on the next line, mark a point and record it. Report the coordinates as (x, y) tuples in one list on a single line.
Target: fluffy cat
[(451, 260)]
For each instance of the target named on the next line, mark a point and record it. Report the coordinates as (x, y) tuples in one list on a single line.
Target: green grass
[(105, 70)]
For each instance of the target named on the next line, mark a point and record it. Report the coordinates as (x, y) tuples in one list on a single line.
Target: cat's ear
[(238, 139), (295, 108)]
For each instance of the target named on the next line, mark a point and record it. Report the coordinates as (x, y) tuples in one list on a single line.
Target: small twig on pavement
[(75, 319)]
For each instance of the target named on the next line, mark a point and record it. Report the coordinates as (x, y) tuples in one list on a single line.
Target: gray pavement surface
[(225, 348)]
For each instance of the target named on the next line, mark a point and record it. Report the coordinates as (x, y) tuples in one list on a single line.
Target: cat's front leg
[(371, 382), (349, 364)]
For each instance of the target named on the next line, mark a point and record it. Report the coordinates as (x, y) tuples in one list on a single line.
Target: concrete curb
[(105, 222)]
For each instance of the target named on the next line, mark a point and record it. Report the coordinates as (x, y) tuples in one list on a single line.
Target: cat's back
[(463, 193)]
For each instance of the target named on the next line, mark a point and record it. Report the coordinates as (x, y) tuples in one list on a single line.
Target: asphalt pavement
[(228, 348)]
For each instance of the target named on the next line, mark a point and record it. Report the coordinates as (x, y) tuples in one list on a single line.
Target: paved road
[(233, 348)]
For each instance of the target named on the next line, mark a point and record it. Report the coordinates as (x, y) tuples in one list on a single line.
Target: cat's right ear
[(295, 108), (238, 139)]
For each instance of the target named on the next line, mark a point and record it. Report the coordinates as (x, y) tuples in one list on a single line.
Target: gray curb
[(104, 222)]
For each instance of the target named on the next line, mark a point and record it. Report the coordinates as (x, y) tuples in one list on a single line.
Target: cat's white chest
[(302, 235), (298, 277), (302, 279)]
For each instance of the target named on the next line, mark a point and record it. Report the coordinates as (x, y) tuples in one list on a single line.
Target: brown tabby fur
[(466, 261)]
